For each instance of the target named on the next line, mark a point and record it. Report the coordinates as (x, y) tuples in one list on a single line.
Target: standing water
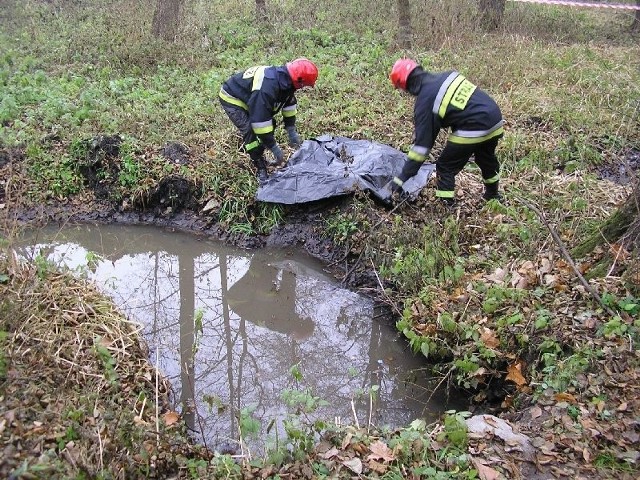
[(238, 332)]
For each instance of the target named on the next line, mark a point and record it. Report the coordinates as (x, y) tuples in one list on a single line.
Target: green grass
[(565, 79)]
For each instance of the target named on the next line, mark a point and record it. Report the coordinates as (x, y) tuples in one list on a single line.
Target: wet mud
[(99, 165), (623, 170)]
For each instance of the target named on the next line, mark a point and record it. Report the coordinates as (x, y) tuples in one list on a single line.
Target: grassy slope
[(566, 81)]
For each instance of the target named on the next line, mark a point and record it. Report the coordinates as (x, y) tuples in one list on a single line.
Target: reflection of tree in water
[(284, 300), (269, 318)]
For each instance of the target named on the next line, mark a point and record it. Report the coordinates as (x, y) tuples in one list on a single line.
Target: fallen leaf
[(561, 287), (485, 472), (519, 281), (380, 451), (347, 440), (515, 375), (544, 459), (355, 465), (360, 448), (631, 456), (545, 266), (527, 268), (565, 397), (488, 337), (331, 453), (536, 412), (490, 420), (170, 418), (377, 467), (137, 420), (149, 446), (497, 276)]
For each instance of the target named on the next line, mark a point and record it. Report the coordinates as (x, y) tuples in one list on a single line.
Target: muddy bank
[(171, 201), (301, 229)]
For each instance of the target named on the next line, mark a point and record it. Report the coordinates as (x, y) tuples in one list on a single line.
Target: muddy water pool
[(236, 331)]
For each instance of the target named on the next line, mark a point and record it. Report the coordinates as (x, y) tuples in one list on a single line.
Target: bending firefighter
[(449, 100), (252, 98)]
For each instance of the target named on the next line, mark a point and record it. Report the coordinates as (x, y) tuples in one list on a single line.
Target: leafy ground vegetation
[(101, 121)]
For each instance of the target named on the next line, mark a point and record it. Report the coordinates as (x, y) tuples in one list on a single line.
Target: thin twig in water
[(192, 388), (384, 293), (567, 256), (370, 411), (440, 383)]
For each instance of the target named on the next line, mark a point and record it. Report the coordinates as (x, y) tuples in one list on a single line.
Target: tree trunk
[(491, 13), (635, 26), (624, 225), (261, 10), (404, 24), (166, 19), (623, 229)]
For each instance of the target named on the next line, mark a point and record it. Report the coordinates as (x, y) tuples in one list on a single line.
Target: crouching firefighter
[(252, 98), (449, 100)]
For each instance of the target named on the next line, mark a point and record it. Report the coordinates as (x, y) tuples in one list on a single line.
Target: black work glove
[(294, 138), (277, 153), (398, 193), (395, 185), (409, 169)]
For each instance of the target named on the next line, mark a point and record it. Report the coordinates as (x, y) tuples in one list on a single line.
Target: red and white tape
[(619, 6)]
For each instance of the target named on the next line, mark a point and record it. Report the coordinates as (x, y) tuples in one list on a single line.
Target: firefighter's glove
[(395, 185), (277, 154), (294, 138)]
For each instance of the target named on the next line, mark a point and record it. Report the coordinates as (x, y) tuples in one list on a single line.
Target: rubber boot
[(491, 191), (261, 167)]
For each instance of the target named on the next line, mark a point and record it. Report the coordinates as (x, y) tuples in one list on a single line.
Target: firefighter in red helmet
[(449, 100), (251, 99)]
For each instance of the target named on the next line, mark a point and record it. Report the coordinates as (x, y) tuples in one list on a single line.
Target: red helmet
[(401, 71), (303, 72)]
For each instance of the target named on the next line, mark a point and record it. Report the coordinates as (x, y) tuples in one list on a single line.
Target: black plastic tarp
[(328, 166)]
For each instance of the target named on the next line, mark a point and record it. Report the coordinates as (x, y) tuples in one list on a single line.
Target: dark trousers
[(455, 156), (240, 118)]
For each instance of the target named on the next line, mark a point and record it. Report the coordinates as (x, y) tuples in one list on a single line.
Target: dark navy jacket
[(262, 91), (449, 100)]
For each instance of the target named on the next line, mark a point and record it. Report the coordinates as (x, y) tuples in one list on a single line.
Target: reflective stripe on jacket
[(449, 100), (263, 91)]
